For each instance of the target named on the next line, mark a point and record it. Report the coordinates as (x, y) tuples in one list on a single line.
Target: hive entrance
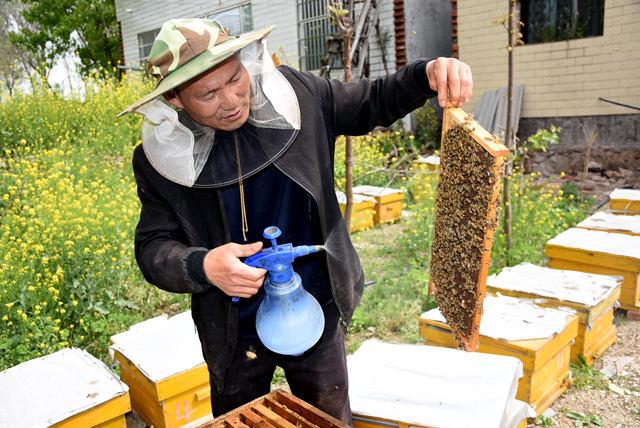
[(471, 165)]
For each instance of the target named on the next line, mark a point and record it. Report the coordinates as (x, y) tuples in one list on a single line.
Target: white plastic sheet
[(161, 347), (570, 286), (510, 318), (431, 386), (608, 221), (50, 389), (376, 191), (625, 194), (602, 242)]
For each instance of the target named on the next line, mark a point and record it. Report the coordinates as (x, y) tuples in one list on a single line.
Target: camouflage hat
[(185, 48)]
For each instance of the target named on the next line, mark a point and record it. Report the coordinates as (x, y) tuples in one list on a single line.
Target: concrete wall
[(561, 78), (428, 28)]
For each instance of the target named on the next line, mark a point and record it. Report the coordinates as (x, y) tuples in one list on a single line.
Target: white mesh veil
[(195, 155)]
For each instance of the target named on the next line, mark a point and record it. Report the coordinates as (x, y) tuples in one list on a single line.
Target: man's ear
[(173, 98)]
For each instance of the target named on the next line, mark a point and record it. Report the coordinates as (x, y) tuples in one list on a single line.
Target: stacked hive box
[(429, 163), (68, 388), (362, 212), (591, 296), (278, 409), (540, 337), (614, 223), (602, 253), (388, 202), (161, 361), (625, 201), (394, 385)]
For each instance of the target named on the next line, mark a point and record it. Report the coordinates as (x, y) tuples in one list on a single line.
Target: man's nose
[(228, 99)]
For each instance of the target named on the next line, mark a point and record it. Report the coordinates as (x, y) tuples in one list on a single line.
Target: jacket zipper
[(343, 323)]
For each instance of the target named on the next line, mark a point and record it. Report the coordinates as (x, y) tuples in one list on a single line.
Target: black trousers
[(319, 376)]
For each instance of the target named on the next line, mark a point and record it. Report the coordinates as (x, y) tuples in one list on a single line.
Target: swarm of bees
[(464, 198)]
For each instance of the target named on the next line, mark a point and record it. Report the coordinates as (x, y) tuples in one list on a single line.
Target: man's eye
[(208, 96)]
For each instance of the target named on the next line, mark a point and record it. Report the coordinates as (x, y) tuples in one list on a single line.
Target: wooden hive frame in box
[(457, 120), (278, 409)]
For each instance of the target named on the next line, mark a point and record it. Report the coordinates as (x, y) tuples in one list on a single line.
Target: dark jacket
[(176, 220)]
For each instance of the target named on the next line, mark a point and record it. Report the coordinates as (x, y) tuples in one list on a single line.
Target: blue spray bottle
[(289, 320)]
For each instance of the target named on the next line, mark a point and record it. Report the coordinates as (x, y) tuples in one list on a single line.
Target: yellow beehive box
[(405, 385), (362, 212), (592, 297), (388, 207), (428, 163), (625, 201), (602, 253), (614, 223), (161, 361), (69, 388), (539, 337)]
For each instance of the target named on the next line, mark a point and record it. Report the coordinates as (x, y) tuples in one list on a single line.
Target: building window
[(236, 21), (556, 20), (145, 41), (314, 28)]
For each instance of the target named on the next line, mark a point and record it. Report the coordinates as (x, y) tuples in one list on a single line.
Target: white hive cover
[(511, 319), (431, 160), (608, 221), (518, 412), (432, 386), (602, 242), (376, 191), (357, 198), (570, 286), (161, 347), (53, 388), (625, 194)]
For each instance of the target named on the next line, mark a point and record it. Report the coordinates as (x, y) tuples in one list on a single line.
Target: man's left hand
[(451, 79)]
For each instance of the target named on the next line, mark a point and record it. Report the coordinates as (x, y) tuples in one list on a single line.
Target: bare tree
[(344, 21)]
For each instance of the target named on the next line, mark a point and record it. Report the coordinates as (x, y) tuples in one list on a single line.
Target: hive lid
[(376, 191), (570, 286), (625, 194), (357, 198), (431, 386), (53, 388), (512, 319), (161, 347), (518, 412), (430, 160), (610, 222), (602, 242)]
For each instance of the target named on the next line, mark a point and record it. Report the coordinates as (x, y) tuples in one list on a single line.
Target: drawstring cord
[(245, 224)]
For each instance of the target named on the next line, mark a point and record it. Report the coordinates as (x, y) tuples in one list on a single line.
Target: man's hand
[(224, 269), (451, 79)]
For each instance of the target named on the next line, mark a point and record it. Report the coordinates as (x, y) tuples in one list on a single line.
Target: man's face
[(218, 98)]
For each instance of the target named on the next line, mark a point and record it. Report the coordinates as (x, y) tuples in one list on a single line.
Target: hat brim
[(198, 65)]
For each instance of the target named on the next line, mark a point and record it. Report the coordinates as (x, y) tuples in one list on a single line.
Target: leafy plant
[(585, 419), (585, 376), (543, 421), (427, 127), (538, 142)]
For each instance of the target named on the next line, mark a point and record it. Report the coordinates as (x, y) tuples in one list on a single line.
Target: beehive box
[(388, 206), (425, 386), (428, 163), (539, 337), (161, 361), (625, 201), (592, 297), (278, 409), (362, 212), (69, 388), (614, 223), (602, 253), (471, 165)]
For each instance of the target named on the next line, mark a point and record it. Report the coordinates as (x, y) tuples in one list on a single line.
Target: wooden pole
[(509, 133)]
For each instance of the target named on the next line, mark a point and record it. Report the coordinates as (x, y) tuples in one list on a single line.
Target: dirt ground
[(615, 398)]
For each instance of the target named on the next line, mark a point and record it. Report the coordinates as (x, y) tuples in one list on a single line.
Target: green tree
[(88, 27)]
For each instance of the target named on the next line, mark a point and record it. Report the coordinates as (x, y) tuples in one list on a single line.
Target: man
[(244, 147)]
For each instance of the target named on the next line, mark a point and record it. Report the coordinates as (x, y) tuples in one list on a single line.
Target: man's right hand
[(223, 268)]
